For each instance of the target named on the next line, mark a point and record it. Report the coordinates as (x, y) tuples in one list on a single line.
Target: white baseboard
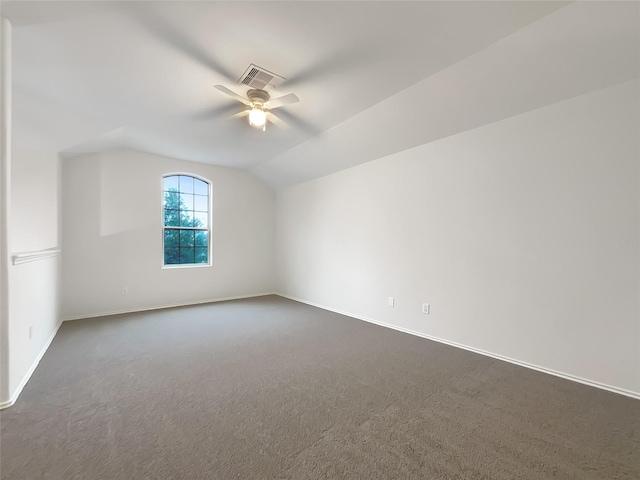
[(27, 376), (549, 371), (172, 305)]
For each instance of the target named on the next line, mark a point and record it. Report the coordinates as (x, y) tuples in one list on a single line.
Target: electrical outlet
[(30, 332), (426, 308), (125, 290), (391, 301)]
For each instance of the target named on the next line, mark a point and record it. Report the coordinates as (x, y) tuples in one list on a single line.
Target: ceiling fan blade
[(298, 122), (211, 113), (284, 100), (336, 63), (277, 121), (244, 113), (163, 29), (233, 94)]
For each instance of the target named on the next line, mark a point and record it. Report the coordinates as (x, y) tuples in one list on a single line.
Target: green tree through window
[(186, 231)]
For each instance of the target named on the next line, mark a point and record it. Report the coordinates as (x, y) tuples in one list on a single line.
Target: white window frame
[(209, 222)]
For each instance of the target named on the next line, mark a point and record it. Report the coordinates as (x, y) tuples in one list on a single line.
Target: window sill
[(186, 265)]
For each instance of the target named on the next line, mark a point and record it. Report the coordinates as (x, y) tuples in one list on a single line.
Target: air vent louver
[(250, 76), (259, 78)]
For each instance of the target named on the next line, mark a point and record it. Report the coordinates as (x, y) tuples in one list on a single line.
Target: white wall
[(34, 199), (34, 288), (112, 235), (5, 201), (523, 235)]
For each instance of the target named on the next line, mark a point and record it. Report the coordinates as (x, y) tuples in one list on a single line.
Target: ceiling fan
[(260, 105), (165, 29)]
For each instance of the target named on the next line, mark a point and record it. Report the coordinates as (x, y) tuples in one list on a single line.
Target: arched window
[(186, 231)]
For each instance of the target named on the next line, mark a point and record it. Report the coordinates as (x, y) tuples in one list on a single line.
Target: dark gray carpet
[(267, 388)]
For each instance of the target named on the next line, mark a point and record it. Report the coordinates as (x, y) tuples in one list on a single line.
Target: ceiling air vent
[(257, 77)]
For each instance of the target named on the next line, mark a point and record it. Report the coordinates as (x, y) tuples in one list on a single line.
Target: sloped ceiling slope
[(373, 77), (579, 49)]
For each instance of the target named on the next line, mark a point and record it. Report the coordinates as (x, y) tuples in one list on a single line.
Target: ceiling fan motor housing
[(258, 97)]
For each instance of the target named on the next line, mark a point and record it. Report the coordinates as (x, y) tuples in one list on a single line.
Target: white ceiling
[(90, 76)]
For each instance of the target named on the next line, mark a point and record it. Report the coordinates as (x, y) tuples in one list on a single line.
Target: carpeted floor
[(267, 388)]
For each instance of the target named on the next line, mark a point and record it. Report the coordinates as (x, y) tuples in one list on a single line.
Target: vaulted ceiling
[(373, 78)]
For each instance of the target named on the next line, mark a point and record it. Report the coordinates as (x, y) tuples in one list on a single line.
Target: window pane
[(171, 238), (171, 218), (186, 219), (202, 255), (186, 201), (172, 200), (171, 183), (201, 203), (186, 184), (187, 255), (200, 187), (187, 238), (171, 255), (200, 219), (202, 238)]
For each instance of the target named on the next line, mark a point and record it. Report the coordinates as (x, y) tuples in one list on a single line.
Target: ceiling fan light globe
[(257, 117)]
